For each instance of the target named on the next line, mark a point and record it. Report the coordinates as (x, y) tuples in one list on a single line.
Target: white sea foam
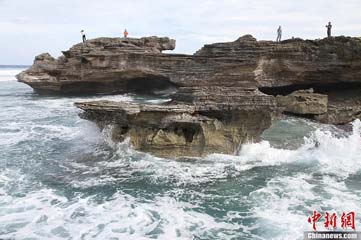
[(279, 206), (278, 203), (338, 155), (284, 204), (38, 119), (335, 154), (8, 74), (44, 214), (331, 154)]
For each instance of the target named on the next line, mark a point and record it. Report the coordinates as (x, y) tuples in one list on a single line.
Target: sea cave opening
[(146, 84), (328, 88), (150, 84)]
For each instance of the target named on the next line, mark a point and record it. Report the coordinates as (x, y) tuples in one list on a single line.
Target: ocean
[(62, 178)]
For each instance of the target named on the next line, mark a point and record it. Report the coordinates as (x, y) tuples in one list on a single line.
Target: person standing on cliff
[(329, 27), (125, 33), (279, 34), (83, 35)]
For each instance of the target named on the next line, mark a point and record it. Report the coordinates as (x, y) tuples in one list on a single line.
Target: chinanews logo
[(338, 227)]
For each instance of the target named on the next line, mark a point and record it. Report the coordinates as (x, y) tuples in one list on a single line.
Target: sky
[(31, 27)]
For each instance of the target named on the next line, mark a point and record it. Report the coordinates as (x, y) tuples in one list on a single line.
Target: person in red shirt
[(125, 33)]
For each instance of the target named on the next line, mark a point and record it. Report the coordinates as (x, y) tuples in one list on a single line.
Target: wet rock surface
[(178, 130)]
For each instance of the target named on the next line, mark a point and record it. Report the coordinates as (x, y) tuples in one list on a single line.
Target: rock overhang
[(226, 92)]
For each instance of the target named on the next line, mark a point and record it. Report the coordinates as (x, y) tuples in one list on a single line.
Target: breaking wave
[(7, 73), (61, 178)]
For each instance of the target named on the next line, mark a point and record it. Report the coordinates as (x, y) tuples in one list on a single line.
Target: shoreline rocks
[(224, 95), (303, 102), (178, 130)]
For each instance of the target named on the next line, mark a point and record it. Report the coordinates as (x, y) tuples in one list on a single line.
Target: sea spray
[(61, 179)]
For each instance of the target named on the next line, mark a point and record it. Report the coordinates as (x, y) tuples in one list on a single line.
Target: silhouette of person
[(125, 33), (329, 27), (279, 34), (82, 32)]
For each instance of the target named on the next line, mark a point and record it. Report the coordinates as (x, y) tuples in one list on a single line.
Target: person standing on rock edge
[(125, 33), (83, 35), (279, 34), (329, 27)]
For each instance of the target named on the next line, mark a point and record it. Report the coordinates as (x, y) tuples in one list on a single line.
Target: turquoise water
[(61, 178)]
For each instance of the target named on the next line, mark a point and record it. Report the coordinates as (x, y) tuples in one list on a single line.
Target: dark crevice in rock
[(119, 133), (305, 116), (123, 129), (318, 88), (219, 115), (83, 60), (188, 131), (148, 85)]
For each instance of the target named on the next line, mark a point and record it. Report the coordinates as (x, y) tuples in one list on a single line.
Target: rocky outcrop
[(303, 102), (179, 130), (338, 107), (223, 95), (102, 65), (115, 64), (344, 106)]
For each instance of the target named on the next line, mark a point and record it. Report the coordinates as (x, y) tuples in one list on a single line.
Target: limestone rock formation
[(344, 106), (102, 65), (303, 102), (106, 65), (222, 96), (178, 130)]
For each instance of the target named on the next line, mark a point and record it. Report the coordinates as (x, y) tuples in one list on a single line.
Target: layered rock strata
[(303, 102), (179, 130), (223, 95)]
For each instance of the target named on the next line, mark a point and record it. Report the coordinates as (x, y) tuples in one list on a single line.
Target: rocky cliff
[(223, 95), (179, 130), (102, 65)]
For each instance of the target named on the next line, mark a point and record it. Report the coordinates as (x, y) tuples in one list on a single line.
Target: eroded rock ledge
[(179, 130), (223, 95), (102, 65)]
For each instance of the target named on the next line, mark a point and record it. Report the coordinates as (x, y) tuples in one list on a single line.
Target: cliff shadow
[(144, 85), (329, 88)]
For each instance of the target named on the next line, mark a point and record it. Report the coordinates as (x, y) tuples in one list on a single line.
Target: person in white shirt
[(279, 34), (82, 32)]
